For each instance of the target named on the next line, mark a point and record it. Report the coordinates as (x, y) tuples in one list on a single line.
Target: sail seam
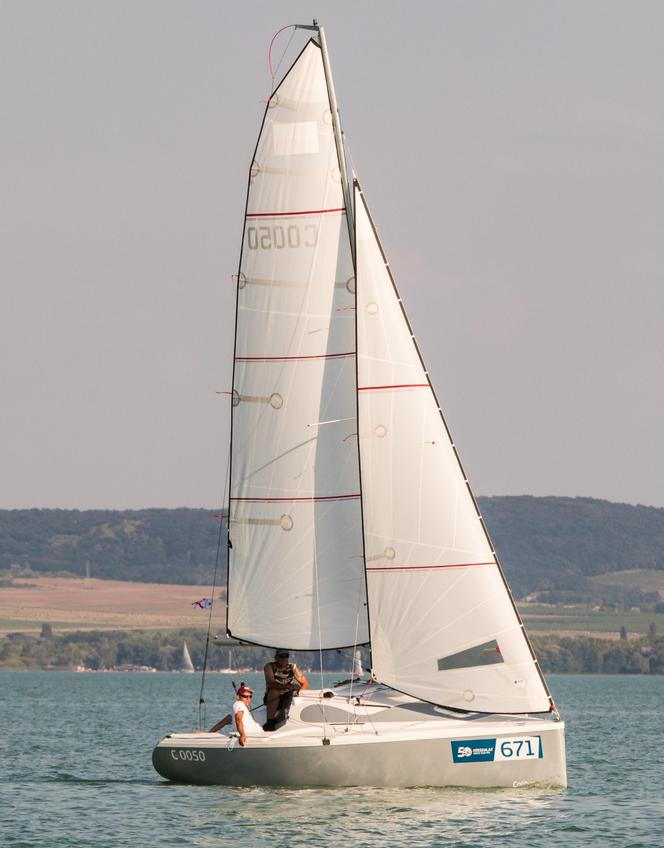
[(299, 500), (289, 358), (291, 214), (421, 567), (397, 386)]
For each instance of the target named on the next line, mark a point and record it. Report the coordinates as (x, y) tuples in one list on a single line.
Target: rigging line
[(201, 699), (331, 421), (320, 635), (352, 667), (273, 73), (349, 154)]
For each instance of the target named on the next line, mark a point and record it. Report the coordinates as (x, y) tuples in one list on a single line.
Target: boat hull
[(364, 761)]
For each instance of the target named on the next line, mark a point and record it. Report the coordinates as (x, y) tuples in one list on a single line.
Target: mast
[(350, 220), (336, 126)]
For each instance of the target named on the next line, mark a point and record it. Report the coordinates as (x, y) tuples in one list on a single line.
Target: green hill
[(148, 545), (553, 547), (559, 544)]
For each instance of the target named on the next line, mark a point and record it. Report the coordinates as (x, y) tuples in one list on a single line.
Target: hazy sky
[(512, 154)]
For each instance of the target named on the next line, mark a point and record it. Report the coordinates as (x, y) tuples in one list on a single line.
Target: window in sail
[(296, 137), (488, 653)]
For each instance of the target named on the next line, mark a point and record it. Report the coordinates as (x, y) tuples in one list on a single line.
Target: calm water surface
[(76, 771)]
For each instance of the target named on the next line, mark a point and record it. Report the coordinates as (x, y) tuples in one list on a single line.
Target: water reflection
[(371, 817)]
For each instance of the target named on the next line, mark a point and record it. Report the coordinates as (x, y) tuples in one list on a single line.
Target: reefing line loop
[(273, 73)]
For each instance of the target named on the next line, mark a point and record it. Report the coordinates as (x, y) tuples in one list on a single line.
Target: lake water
[(76, 772)]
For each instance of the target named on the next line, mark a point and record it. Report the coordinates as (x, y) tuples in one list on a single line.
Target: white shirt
[(248, 721)]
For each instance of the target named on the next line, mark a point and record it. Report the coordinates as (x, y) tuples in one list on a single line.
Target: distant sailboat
[(351, 521), (229, 668), (187, 664)]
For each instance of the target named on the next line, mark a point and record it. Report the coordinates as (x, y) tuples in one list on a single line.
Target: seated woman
[(244, 721)]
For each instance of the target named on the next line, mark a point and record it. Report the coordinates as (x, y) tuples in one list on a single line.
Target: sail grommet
[(380, 431), (389, 553), (286, 522), (241, 280), (276, 401), (236, 397), (255, 170), (327, 117), (468, 695), (350, 285), (335, 174), (372, 308), (273, 102)]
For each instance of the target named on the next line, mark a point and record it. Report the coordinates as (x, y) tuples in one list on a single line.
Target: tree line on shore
[(103, 650), (550, 546)]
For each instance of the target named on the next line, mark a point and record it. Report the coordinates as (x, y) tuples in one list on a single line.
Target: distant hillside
[(546, 545), (149, 545), (559, 543)]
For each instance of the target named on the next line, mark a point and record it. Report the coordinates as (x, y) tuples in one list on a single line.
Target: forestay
[(295, 567), (443, 625)]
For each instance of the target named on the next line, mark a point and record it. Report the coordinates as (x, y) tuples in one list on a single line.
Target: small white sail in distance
[(187, 664), (443, 624)]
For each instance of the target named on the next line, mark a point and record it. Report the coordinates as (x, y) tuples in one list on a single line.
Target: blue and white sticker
[(492, 750)]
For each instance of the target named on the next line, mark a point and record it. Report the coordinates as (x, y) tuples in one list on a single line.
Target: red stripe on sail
[(289, 358), (424, 567), (291, 214), (397, 386), (299, 500)]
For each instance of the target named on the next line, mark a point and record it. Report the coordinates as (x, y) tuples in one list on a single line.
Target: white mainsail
[(443, 625), (296, 573)]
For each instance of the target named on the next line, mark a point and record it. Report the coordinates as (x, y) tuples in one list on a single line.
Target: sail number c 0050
[(280, 236), (188, 754)]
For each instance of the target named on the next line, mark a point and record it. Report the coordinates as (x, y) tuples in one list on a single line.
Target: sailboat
[(187, 664), (351, 520)]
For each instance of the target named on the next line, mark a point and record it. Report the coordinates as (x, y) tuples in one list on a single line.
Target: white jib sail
[(296, 573), (443, 627)]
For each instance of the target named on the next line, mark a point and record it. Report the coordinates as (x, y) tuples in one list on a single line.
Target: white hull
[(386, 740)]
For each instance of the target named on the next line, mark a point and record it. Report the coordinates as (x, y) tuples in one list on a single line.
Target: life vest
[(284, 676)]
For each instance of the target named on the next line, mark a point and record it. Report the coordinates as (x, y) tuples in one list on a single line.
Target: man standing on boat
[(283, 679)]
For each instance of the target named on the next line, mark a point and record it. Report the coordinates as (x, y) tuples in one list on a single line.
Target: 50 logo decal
[(280, 236), (464, 751), (188, 754)]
